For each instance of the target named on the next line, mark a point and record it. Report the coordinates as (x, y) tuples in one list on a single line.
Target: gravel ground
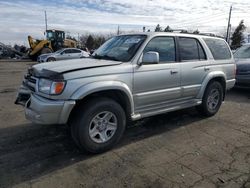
[(179, 149)]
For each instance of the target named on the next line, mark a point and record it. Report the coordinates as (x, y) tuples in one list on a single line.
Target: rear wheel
[(98, 125), (212, 99)]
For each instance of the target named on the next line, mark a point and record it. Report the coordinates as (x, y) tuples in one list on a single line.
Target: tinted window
[(75, 51), (165, 46), (202, 54), (218, 48), (243, 52), (67, 51), (190, 49)]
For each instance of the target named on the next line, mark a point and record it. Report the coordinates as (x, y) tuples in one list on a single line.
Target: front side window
[(243, 52), (191, 50), (120, 48), (165, 46), (218, 48)]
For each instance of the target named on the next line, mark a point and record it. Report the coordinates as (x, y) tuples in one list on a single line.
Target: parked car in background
[(242, 59), (63, 54)]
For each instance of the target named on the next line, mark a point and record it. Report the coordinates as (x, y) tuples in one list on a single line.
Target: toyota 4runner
[(128, 78)]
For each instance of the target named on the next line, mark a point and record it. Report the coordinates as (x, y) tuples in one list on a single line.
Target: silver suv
[(128, 78)]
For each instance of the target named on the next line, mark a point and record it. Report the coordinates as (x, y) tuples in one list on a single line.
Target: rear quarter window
[(218, 48)]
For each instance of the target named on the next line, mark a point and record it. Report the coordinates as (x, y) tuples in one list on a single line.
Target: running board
[(145, 114)]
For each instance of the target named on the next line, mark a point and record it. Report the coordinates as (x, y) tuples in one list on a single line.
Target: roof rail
[(177, 30)]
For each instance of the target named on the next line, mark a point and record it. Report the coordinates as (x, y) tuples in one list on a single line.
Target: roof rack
[(178, 30), (193, 33)]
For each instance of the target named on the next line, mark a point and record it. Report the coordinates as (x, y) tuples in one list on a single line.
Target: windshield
[(50, 35), (120, 48), (243, 52)]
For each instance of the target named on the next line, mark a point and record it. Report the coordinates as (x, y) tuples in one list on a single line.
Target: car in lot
[(242, 59), (63, 54), (129, 77)]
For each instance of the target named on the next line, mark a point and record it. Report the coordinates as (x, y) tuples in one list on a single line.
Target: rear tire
[(98, 125), (212, 99)]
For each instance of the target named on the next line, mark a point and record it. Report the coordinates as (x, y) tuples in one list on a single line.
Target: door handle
[(173, 72), (206, 68)]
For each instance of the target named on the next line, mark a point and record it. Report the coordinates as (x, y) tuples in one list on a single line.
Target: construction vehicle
[(55, 40)]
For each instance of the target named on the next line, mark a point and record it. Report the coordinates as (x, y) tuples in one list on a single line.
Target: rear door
[(66, 54), (76, 54), (193, 66)]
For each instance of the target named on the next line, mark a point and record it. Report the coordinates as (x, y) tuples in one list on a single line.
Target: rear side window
[(75, 51), (165, 46), (68, 51), (218, 48), (191, 49)]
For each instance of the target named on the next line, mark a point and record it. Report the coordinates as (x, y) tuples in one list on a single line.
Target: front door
[(157, 84)]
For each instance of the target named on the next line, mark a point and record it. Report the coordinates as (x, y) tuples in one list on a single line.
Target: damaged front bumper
[(41, 110)]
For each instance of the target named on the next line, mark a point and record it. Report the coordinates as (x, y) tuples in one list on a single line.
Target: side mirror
[(150, 58), (62, 53)]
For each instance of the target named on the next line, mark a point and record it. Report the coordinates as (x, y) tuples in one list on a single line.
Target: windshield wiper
[(107, 57)]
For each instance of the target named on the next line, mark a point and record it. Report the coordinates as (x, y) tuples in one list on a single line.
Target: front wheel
[(50, 59), (98, 125), (212, 99)]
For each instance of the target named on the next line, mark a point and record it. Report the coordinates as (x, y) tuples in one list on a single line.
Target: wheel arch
[(214, 76), (117, 91)]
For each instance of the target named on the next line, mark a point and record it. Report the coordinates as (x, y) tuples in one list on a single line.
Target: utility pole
[(118, 30), (228, 25), (46, 26), (78, 40)]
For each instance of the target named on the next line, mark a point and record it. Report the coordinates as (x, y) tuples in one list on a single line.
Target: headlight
[(50, 87)]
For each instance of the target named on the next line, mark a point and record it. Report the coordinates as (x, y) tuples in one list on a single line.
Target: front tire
[(98, 125), (212, 99), (50, 59)]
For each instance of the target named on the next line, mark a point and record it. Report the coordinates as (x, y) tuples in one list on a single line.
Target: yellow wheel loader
[(55, 40)]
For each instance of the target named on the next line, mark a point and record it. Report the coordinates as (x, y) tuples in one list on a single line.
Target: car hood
[(49, 70)]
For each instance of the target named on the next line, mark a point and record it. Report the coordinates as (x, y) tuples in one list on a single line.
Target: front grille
[(30, 82)]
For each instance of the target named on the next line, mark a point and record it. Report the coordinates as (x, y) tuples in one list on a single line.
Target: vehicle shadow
[(238, 95), (30, 151)]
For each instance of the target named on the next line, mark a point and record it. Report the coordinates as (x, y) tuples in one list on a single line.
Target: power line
[(200, 19)]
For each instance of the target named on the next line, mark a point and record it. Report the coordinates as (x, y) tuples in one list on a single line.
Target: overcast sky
[(18, 19)]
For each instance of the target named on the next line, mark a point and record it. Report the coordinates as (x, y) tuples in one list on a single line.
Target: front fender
[(103, 86), (209, 77)]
